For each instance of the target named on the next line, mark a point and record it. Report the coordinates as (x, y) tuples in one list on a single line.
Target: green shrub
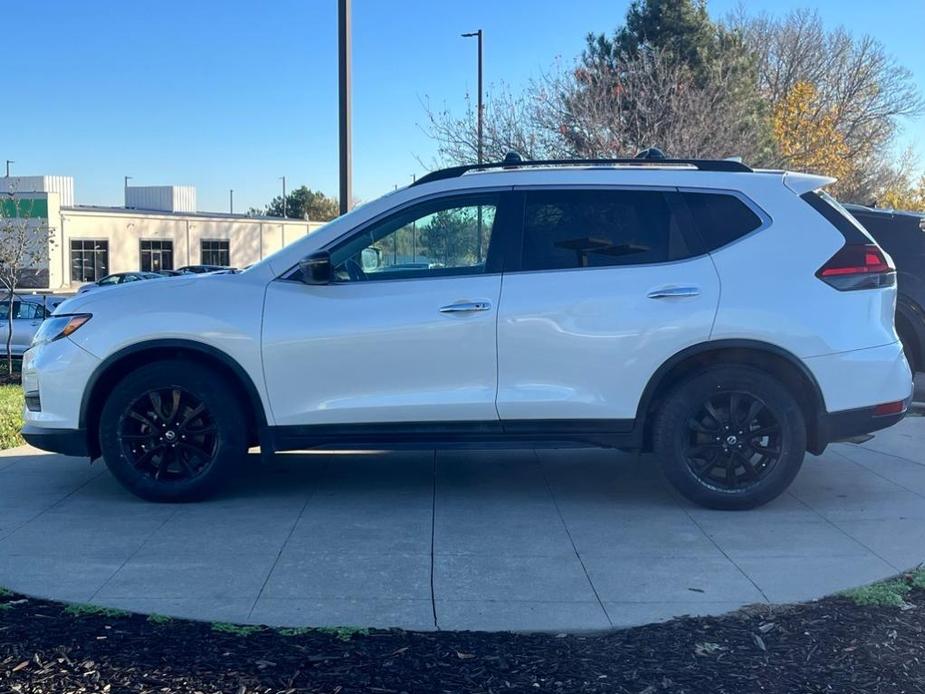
[(888, 593), (11, 407)]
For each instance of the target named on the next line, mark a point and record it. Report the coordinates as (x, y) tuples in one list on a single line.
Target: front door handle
[(466, 307), (670, 292)]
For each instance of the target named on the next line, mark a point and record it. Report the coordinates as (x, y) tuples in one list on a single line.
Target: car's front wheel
[(172, 431), (730, 437)]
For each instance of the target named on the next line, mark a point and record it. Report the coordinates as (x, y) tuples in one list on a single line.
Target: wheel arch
[(761, 355), (910, 325), (112, 369)]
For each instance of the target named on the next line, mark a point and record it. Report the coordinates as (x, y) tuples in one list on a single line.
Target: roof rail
[(513, 161)]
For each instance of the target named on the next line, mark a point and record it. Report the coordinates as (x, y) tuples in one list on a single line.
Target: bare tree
[(25, 239), (648, 100)]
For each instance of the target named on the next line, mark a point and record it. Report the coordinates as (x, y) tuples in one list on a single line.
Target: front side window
[(567, 229), (215, 252), (434, 239), (89, 260), (156, 255)]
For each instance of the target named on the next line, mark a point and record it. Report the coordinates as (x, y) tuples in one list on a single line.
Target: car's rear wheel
[(905, 337), (172, 431), (730, 438)]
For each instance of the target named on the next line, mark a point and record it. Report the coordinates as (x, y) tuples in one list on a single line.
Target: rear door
[(608, 285)]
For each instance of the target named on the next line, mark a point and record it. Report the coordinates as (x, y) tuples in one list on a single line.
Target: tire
[(703, 451), (203, 433)]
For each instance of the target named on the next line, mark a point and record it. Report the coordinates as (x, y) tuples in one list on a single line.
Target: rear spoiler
[(801, 183)]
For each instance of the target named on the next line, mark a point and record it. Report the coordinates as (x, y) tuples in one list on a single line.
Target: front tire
[(731, 437), (172, 431)]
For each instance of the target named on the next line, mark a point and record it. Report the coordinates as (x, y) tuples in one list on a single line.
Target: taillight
[(858, 266)]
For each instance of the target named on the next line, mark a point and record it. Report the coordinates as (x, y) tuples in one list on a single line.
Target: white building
[(158, 229)]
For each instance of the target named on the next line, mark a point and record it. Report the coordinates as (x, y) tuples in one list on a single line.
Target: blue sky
[(235, 94)]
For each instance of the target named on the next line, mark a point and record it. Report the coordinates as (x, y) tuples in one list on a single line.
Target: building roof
[(135, 212)]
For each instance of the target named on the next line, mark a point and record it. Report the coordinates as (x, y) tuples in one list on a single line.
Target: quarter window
[(439, 238), (89, 260), (567, 229), (156, 255), (720, 218), (215, 252)]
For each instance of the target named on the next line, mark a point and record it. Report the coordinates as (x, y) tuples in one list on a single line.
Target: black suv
[(902, 235)]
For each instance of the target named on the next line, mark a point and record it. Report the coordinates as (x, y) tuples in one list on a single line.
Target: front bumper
[(64, 441)]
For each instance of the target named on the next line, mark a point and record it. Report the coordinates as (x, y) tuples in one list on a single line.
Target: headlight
[(56, 327)]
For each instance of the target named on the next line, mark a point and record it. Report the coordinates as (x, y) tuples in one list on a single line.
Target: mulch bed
[(829, 646)]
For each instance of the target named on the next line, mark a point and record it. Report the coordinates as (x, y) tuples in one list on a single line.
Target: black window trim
[(514, 256), (213, 240), (84, 239), (161, 250), (503, 229)]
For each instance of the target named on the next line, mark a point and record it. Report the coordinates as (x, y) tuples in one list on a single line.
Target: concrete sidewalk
[(547, 540)]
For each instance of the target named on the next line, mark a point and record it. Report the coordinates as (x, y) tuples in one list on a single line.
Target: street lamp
[(231, 201), (478, 34), (283, 179), (344, 41), (8, 162)]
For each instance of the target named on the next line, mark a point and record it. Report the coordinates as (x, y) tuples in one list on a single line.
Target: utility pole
[(231, 201), (343, 72), (480, 114), (8, 162), (479, 147), (283, 179)]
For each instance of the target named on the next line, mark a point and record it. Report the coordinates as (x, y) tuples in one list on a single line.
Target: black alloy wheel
[(734, 441), (168, 434)]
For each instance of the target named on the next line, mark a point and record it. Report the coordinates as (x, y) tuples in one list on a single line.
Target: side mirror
[(316, 268)]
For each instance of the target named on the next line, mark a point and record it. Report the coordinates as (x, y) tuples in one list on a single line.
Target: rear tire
[(172, 431), (909, 350), (731, 437)]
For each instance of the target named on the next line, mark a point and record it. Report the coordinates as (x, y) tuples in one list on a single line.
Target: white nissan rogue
[(727, 319)]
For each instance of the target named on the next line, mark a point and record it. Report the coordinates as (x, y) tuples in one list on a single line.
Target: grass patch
[(4, 593), (11, 407), (79, 610), (235, 629), (342, 633), (885, 593), (917, 578), (159, 619)]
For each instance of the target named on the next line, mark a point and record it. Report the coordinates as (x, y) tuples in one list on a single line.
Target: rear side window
[(568, 229), (837, 216), (720, 218)]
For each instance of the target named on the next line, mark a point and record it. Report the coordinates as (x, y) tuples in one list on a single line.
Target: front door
[(407, 330)]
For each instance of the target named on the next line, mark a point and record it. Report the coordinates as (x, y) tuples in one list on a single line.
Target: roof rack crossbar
[(725, 165)]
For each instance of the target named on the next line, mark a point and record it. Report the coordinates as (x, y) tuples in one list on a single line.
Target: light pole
[(283, 179), (343, 73), (125, 181), (231, 201), (478, 34), (8, 162)]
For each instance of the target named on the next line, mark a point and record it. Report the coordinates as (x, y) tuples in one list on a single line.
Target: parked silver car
[(28, 314), (119, 278)]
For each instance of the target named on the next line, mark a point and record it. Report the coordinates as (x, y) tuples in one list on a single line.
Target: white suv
[(728, 319)]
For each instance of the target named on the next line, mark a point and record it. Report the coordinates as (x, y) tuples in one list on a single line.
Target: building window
[(214, 252), (89, 260), (156, 255)]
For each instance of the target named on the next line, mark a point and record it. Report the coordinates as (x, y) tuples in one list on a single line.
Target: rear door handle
[(669, 292), (466, 307)]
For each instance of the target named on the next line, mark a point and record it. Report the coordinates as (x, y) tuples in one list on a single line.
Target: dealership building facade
[(157, 229)]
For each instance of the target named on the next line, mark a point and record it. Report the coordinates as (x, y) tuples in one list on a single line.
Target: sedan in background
[(202, 269), (28, 314), (119, 278)]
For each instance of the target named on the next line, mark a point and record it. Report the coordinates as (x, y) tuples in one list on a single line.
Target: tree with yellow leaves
[(908, 197), (806, 134)]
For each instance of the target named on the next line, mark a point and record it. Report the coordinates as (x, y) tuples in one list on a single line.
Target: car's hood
[(135, 296)]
